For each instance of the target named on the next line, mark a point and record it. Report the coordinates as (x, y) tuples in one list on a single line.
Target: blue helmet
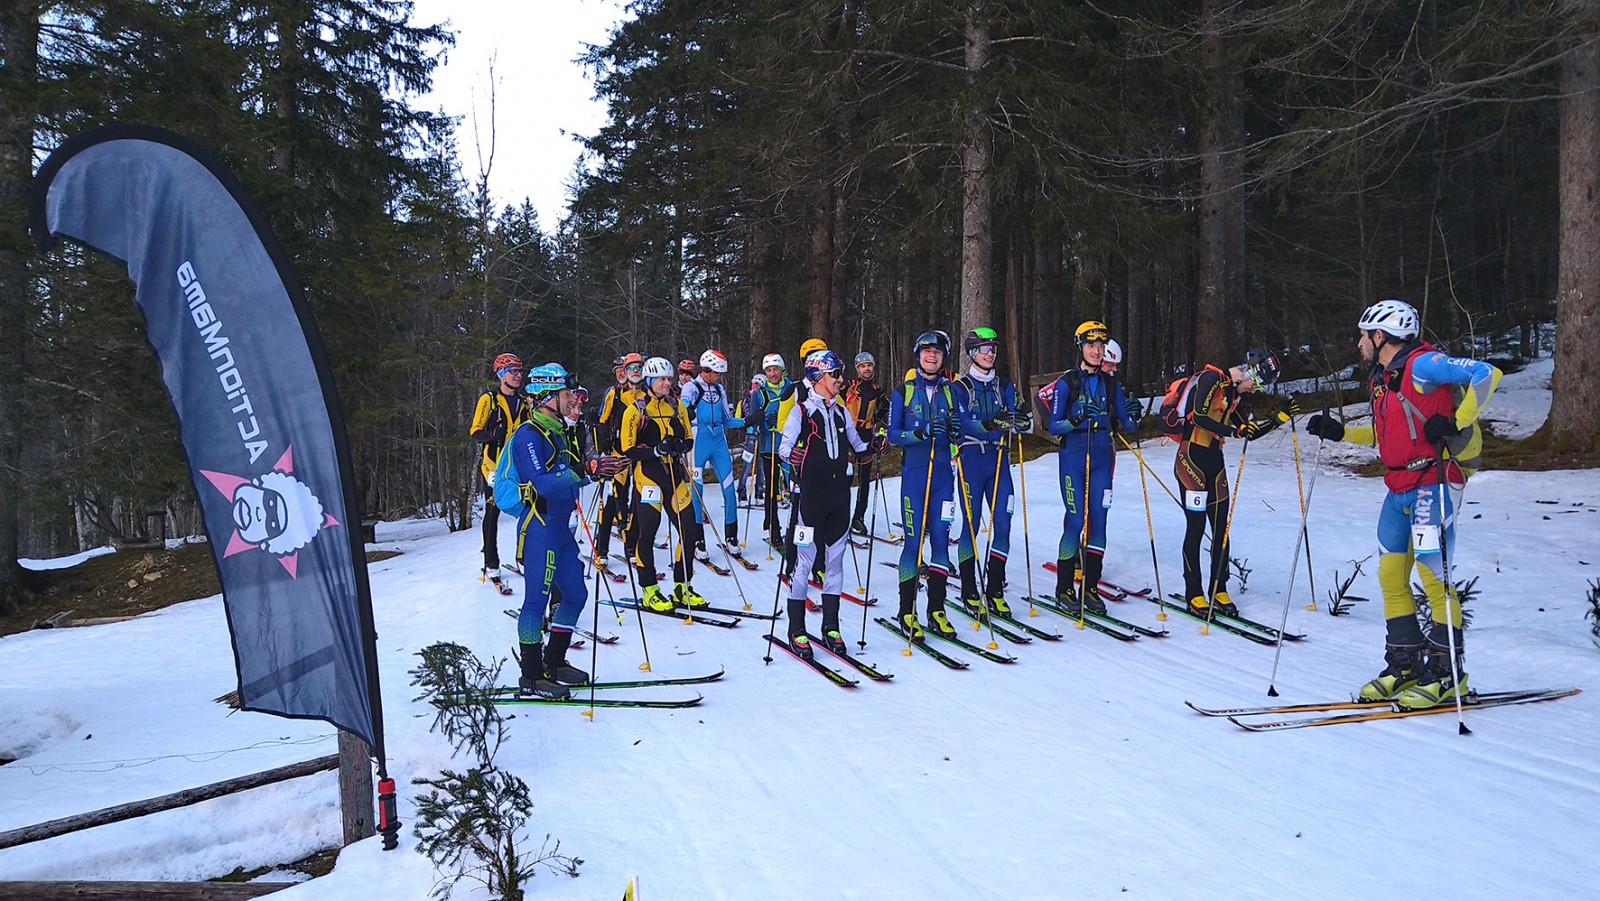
[(544, 381), (822, 361)]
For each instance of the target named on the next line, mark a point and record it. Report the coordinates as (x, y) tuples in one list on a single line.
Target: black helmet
[(978, 337), (1262, 366), (935, 339)]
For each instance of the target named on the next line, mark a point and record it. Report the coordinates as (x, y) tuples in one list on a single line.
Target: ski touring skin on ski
[(822, 669), (578, 630), (865, 669), (1239, 621), (575, 701), (678, 613), (1392, 711), (1089, 620), (1035, 631), (602, 685), (922, 646)]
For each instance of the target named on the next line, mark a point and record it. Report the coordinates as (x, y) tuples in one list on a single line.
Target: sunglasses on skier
[(835, 373)]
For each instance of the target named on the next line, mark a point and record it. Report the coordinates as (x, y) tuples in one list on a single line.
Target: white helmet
[(1113, 352), (714, 361), (773, 360), (658, 368), (1396, 317)]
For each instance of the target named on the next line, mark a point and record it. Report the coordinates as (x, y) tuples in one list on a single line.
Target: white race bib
[(572, 521), (650, 494), (1424, 539), (1194, 500), (1011, 503), (802, 536), (1105, 499), (947, 511)]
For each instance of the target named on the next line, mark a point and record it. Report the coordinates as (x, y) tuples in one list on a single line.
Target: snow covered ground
[(1075, 773)]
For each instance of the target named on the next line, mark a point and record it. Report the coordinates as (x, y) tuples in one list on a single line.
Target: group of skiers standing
[(659, 427)]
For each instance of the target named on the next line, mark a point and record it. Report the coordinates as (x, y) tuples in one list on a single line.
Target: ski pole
[(872, 545), (1305, 498), (883, 501), (726, 554), (643, 642), (1283, 623), (681, 559), (922, 529), (1450, 613), (783, 562), (972, 536), (1083, 538), (1150, 527), (1027, 550), (1233, 507)]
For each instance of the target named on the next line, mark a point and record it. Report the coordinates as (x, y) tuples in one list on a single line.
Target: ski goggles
[(1095, 337), (835, 373), (634, 367), (505, 371), (986, 348)]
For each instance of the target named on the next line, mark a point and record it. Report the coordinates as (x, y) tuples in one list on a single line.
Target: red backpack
[(1176, 405)]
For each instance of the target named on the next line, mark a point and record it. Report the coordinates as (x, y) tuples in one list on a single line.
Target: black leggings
[(1204, 480)]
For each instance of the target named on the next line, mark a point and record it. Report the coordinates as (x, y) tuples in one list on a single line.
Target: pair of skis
[(832, 675), (577, 630), (1277, 718), (511, 695)]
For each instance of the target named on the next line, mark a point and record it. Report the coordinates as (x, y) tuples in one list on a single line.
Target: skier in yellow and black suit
[(629, 370), (500, 410), (1213, 398), (655, 436)]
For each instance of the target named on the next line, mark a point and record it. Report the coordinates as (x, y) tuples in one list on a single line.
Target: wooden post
[(355, 788), (184, 798)]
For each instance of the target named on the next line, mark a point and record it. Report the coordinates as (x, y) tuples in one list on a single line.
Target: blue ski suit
[(712, 415), (549, 475), (985, 466), (1087, 406), (925, 419)]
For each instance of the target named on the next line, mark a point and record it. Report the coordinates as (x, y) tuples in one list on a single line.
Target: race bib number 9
[(947, 511), (802, 536)]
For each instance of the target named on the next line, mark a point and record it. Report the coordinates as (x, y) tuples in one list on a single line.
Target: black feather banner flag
[(257, 412)]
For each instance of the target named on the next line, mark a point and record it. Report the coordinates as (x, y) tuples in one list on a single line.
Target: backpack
[(507, 484), (1175, 411)]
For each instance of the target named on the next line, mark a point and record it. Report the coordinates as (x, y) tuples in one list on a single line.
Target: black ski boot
[(534, 683), (555, 661)]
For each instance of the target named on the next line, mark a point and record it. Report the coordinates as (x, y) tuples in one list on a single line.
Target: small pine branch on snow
[(1341, 602), (1466, 592), (457, 684), (1594, 611), (469, 823), (1241, 571)]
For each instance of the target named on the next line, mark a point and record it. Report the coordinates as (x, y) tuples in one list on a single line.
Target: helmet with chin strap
[(1392, 317)]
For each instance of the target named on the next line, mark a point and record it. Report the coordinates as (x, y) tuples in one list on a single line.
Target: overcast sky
[(543, 98)]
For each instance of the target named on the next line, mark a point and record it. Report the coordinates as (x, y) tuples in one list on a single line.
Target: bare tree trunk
[(1575, 386), (19, 60), (760, 288), (977, 185), (1219, 182), (821, 268)]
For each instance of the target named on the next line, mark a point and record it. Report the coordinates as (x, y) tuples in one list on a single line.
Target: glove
[(1324, 426), (607, 466), (1136, 415), (752, 419), (1021, 422), (1076, 418), (878, 444), (996, 423), (1439, 427), (1255, 428), (940, 430), (922, 433), (1292, 406)]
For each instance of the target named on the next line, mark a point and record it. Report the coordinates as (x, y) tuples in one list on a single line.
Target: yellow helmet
[(1092, 330), (812, 345)]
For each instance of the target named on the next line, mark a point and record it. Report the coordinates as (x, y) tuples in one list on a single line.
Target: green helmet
[(978, 337)]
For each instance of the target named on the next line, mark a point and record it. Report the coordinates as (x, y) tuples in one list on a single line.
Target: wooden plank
[(55, 620), (183, 798), (139, 891), (355, 788)]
